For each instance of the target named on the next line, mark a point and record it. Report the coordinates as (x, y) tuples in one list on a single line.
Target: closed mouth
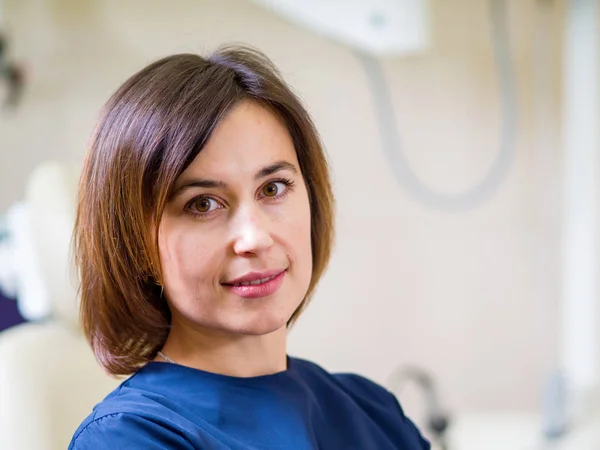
[(254, 282), (255, 278)]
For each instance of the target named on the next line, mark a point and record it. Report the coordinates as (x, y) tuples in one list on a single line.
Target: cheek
[(183, 256)]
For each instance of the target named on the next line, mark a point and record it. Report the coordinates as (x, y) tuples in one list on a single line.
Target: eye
[(273, 188), (204, 205)]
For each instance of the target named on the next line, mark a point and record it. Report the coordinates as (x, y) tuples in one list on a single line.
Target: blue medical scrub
[(169, 406)]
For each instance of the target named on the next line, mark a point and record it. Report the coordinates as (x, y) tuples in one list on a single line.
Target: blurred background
[(464, 148)]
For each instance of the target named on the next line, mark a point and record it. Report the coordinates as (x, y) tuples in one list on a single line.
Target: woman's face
[(234, 240)]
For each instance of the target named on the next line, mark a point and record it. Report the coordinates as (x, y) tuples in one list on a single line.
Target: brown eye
[(204, 204), (271, 189)]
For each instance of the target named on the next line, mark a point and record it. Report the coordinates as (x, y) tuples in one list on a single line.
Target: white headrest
[(51, 201)]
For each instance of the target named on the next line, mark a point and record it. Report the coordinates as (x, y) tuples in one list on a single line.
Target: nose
[(251, 235)]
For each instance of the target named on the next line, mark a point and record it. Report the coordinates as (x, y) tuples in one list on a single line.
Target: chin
[(258, 326)]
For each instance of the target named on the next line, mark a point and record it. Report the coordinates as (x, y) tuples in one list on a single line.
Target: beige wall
[(470, 295)]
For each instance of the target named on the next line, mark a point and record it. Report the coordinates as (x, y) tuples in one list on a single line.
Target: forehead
[(249, 137)]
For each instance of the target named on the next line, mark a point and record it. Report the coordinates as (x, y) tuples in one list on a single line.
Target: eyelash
[(289, 186)]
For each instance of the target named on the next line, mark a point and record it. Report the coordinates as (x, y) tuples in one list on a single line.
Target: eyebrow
[(212, 184)]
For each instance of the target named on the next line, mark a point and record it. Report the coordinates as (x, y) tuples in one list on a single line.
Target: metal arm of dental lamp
[(437, 418)]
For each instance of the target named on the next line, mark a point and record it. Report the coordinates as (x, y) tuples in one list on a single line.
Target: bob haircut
[(148, 133)]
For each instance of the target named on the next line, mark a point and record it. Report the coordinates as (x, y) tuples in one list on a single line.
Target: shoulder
[(381, 403), (364, 387), (127, 418), (370, 395), (125, 430), (353, 384), (373, 399)]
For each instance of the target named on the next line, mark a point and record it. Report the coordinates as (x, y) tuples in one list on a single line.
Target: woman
[(205, 221)]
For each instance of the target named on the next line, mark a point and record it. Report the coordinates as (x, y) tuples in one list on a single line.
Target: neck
[(225, 354)]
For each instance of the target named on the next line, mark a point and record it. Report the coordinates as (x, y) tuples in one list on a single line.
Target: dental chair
[(49, 378)]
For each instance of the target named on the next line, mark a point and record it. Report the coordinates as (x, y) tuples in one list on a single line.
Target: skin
[(211, 235)]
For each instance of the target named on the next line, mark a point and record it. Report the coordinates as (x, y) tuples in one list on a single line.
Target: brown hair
[(148, 133)]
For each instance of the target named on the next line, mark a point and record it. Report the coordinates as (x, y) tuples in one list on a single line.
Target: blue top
[(168, 406)]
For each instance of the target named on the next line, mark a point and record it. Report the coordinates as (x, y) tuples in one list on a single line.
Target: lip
[(253, 276), (257, 290)]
